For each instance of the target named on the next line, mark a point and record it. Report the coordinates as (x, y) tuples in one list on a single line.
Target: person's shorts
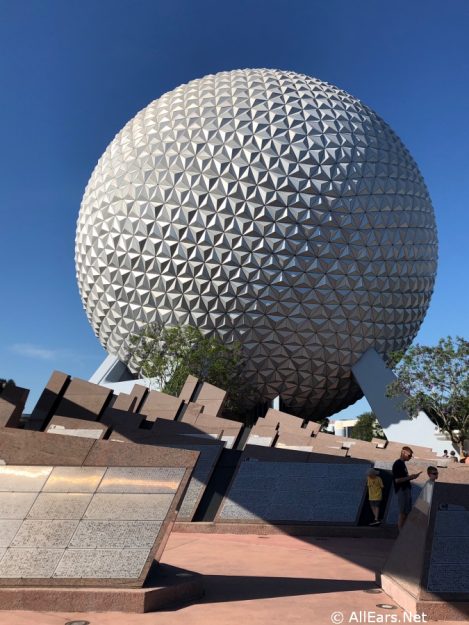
[(375, 502), (404, 499)]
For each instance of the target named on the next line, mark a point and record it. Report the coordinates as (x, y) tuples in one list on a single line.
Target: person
[(452, 455), (402, 486), (427, 492), (445, 453), (375, 494)]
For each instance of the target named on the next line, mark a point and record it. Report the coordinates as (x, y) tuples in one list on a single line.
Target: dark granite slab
[(114, 454), (66, 426), (190, 412), (121, 419), (12, 403), (83, 400), (131, 402), (450, 550), (9, 414), (160, 406), (448, 578), (211, 397), (295, 492), (50, 398), (452, 523), (450, 546), (36, 448), (188, 390)]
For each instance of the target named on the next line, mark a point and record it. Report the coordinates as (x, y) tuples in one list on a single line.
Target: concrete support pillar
[(373, 377)]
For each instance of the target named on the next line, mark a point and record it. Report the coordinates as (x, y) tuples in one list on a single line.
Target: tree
[(4, 383), (435, 379), (170, 353), (367, 427)]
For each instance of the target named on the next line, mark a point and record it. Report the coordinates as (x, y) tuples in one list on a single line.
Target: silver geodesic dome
[(267, 207)]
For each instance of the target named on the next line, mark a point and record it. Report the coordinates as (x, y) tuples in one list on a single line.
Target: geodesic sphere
[(267, 207)]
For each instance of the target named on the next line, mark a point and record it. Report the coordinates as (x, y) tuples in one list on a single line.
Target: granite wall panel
[(295, 492), (101, 517)]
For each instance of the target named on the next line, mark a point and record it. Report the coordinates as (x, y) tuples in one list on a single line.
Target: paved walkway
[(262, 580)]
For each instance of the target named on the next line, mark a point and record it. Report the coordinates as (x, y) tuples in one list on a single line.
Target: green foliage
[(170, 354), (367, 427), (324, 424), (435, 379), (4, 382)]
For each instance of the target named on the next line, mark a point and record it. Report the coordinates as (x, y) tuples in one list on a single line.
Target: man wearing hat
[(402, 485)]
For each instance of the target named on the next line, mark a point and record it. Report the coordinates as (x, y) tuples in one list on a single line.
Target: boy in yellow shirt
[(375, 493)]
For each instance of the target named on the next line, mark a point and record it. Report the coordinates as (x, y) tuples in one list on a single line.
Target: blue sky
[(73, 73)]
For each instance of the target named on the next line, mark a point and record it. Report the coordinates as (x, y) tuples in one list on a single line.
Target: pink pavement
[(262, 580)]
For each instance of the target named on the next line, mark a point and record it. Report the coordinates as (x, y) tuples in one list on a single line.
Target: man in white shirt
[(427, 491)]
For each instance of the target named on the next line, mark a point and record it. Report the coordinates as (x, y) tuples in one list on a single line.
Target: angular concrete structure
[(374, 377)]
